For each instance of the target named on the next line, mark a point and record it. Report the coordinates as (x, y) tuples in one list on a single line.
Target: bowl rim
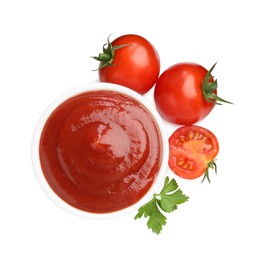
[(97, 86)]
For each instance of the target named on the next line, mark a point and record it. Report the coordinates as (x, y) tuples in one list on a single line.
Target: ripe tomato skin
[(135, 66), (178, 94), (192, 148)]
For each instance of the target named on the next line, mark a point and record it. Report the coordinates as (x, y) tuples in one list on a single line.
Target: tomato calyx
[(107, 56), (210, 165), (209, 87)]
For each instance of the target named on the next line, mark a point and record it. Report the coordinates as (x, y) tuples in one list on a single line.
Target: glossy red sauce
[(100, 151)]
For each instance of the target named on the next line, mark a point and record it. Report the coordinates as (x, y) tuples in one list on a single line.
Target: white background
[(45, 50)]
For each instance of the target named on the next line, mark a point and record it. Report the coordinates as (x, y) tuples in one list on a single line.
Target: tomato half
[(186, 93), (192, 151), (131, 61)]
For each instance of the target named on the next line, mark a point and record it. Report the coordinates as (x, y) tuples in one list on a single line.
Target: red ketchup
[(100, 151)]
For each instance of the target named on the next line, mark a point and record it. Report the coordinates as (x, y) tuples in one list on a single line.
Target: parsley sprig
[(165, 201)]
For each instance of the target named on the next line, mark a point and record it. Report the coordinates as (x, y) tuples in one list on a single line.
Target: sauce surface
[(100, 151)]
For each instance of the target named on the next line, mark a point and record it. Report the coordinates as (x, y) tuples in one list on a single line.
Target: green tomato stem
[(208, 88), (106, 58), (210, 165)]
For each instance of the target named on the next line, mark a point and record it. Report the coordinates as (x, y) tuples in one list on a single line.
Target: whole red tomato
[(186, 93), (131, 61)]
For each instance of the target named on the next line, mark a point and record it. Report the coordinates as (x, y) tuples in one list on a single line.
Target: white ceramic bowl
[(36, 139)]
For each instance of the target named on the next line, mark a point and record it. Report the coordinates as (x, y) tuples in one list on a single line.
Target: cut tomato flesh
[(191, 149)]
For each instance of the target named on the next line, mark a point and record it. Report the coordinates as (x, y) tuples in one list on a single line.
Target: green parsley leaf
[(169, 186), (156, 218), (166, 204), (166, 201)]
